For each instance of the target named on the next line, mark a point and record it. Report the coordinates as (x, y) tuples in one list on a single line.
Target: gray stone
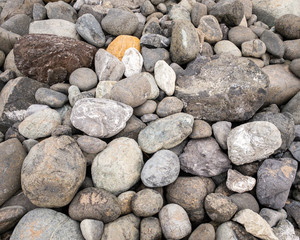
[(231, 230), (292, 207), (294, 150), (151, 56), (149, 117), (74, 94), (91, 229), (240, 34), (147, 108), (42, 223), (237, 182), (150, 229), (204, 231), (227, 47), (98, 11), (84, 78), (7, 40), (12, 155), (40, 124), (273, 43), (61, 87), (118, 167), (293, 108), (133, 62), (176, 128), (125, 199), (245, 201), (295, 67), (178, 12), (9, 217), (35, 108), (147, 8), (185, 44), (154, 40), (292, 49), (165, 77), (253, 48), (61, 10), (161, 169), (253, 141), (272, 216), (210, 28), (119, 22), (88, 116), (199, 10), (204, 157), (48, 182), (285, 230), (169, 106), (288, 26), (18, 24), (108, 67), (39, 12), (274, 179), (174, 222), (103, 88), (91, 144), (90, 30), (221, 130), (50, 97), (201, 129)]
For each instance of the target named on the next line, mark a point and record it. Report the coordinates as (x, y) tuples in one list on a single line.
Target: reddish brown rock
[(51, 59)]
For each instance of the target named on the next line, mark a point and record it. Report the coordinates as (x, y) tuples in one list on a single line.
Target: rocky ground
[(161, 119)]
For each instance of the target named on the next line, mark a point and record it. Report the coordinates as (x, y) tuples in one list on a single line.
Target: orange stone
[(121, 43)]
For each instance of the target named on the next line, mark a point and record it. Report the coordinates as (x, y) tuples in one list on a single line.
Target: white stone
[(165, 77), (227, 47), (237, 182), (91, 229), (58, 27), (133, 62), (103, 88)]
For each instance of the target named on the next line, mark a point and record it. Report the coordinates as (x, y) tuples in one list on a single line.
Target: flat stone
[(176, 127), (210, 27), (18, 24), (9, 217), (94, 203), (91, 144), (161, 169), (84, 78), (50, 97), (227, 47), (87, 115), (43, 223), (133, 62), (150, 229), (273, 43), (165, 77), (237, 182), (253, 141), (47, 182), (118, 167), (204, 157), (152, 55), (146, 108), (61, 10), (91, 229)]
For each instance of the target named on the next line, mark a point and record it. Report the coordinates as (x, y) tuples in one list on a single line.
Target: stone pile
[(149, 119)]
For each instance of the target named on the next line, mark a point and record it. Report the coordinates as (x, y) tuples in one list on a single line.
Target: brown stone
[(51, 59), (9, 216)]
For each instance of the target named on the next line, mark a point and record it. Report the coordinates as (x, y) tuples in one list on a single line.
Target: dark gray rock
[(294, 148), (7, 75), (50, 97), (288, 26), (244, 201), (168, 106), (204, 157), (9, 217), (20, 199), (61, 10), (147, 8), (133, 127), (152, 55), (91, 144), (18, 24), (154, 41), (210, 29), (213, 93), (273, 43), (274, 179), (295, 67)]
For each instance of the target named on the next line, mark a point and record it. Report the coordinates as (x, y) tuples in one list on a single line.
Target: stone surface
[(12, 155), (237, 182), (204, 231), (147, 108), (292, 209), (7, 40), (20, 200), (49, 58), (292, 49), (273, 43), (154, 93), (133, 62), (285, 230), (176, 128), (253, 141), (39, 12), (152, 55), (48, 182), (185, 44), (165, 77), (152, 40), (255, 224), (18, 24), (294, 150), (210, 27), (227, 47), (272, 216), (61, 10), (9, 217), (292, 107), (221, 130), (87, 116), (118, 167), (84, 78), (168, 106), (40, 124), (204, 157), (91, 144), (50, 97), (174, 222), (201, 129), (125, 199), (150, 229), (244, 201), (230, 230), (213, 93), (103, 88), (91, 229), (295, 67), (199, 10), (253, 48), (274, 179), (240, 34), (288, 25), (161, 169), (94, 203), (126, 227), (42, 223), (189, 193)]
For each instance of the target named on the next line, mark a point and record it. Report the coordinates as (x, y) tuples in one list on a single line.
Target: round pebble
[(84, 78)]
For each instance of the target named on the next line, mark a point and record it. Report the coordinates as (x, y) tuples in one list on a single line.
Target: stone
[(149, 117), (176, 128), (154, 93), (185, 44), (174, 222), (272, 216), (168, 106), (161, 169), (227, 47), (91, 229), (292, 209), (57, 57), (9, 64), (48, 182), (293, 108), (204, 231), (199, 10), (245, 201), (84, 78), (7, 40), (230, 12), (121, 43), (123, 228), (274, 179), (253, 48), (240, 34), (201, 129), (74, 94), (118, 167), (94, 203), (292, 49), (285, 230), (9, 217), (273, 43), (146, 108), (90, 30), (98, 11), (50, 97), (162, 8), (103, 88), (6, 75), (87, 115), (151, 56), (150, 229), (147, 8), (146, 203), (152, 40), (165, 77), (125, 199), (2, 58), (39, 12), (61, 10), (119, 22), (288, 25), (189, 193), (255, 224), (221, 130), (210, 28), (61, 130), (178, 12), (108, 67), (18, 24), (43, 223), (253, 141), (133, 62), (295, 67), (237, 182), (207, 152), (91, 144), (12, 156), (133, 91), (268, 12)]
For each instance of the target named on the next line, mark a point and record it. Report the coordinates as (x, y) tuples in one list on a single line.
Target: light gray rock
[(253, 48), (84, 78), (61, 10), (168, 106), (292, 49), (39, 12), (176, 127), (118, 167), (161, 169), (237, 182), (295, 67), (199, 10), (165, 77), (204, 231), (91, 229), (99, 117), (178, 12), (154, 93), (231, 230), (272, 216), (133, 62), (50, 97), (146, 108), (253, 141), (221, 130)]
